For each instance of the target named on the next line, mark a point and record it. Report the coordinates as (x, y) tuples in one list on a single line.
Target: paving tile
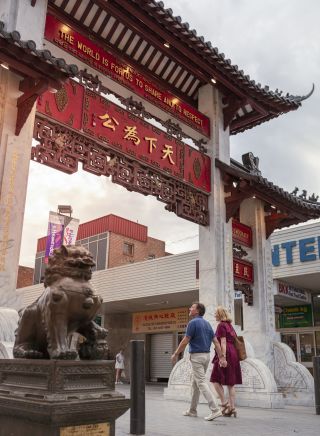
[(164, 418)]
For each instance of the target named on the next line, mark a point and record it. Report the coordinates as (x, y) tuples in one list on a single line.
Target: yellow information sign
[(101, 429), (160, 320)]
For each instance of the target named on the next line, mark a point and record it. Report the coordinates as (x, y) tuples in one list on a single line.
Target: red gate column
[(259, 318), (15, 158), (14, 149), (215, 240)]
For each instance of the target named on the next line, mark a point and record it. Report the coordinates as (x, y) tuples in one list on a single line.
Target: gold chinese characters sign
[(76, 125), (241, 234), (160, 320), (88, 112), (101, 429)]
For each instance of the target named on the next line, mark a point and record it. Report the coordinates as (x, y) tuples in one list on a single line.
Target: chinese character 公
[(110, 122)]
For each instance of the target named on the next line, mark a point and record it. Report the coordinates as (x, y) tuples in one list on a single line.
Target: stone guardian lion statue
[(68, 304)]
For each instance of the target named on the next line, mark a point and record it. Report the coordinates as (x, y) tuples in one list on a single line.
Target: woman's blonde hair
[(222, 314)]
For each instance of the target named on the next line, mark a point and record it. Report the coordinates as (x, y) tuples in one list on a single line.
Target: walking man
[(199, 335)]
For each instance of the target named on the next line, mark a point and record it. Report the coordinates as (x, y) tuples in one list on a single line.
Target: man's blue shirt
[(201, 335)]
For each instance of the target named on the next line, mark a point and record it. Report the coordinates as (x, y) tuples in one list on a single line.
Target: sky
[(276, 42)]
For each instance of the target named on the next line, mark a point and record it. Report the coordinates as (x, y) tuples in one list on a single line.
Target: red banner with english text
[(98, 58)]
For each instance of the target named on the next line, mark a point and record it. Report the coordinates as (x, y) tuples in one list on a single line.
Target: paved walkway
[(164, 418)]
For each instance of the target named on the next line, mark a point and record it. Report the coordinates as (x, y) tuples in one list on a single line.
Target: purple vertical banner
[(55, 234)]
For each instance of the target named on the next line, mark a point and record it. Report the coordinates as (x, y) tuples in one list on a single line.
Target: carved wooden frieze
[(63, 148)]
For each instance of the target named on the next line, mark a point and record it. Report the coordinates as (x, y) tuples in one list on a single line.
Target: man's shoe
[(213, 415), (188, 413)]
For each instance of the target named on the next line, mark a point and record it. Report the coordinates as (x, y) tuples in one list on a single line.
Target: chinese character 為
[(131, 134)]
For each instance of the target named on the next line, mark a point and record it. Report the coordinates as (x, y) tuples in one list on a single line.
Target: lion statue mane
[(67, 305)]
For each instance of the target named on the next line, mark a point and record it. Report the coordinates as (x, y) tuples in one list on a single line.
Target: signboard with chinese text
[(100, 429), (160, 320), (296, 316), (122, 131), (89, 52), (132, 135), (243, 270), (241, 234)]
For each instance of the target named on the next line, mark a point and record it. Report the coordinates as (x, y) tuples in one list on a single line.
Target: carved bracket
[(277, 221), (229, 111), (201, 145), (31, 89), (247, 292), (173, 129), (234, 200), (238, 251)]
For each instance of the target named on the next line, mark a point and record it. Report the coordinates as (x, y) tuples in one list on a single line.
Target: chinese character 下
[(151, 143)]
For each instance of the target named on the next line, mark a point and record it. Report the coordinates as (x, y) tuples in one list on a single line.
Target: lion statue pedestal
[(52, 388), (55, 397)]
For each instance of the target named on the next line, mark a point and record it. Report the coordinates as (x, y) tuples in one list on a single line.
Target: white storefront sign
[(292, 292), (237, 295), (296, 251)]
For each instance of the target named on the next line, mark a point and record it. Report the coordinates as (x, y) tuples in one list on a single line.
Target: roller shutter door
[(161, 350)]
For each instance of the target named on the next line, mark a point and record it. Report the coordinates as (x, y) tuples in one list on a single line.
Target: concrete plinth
[(58, 398), (258, 387), (293, 379)]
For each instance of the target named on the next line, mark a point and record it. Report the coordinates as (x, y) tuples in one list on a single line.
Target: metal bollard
[(316, 375), (137, 388)]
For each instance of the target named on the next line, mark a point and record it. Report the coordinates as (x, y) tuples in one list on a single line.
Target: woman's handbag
[(240, 347)]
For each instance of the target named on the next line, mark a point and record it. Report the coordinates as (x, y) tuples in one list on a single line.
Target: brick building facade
[(25, 276), (113, 241), (123, 250)]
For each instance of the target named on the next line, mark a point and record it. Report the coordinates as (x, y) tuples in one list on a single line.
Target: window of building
[(39, 268), (128, 249), (37, 271), (316, 309), (97, 245)]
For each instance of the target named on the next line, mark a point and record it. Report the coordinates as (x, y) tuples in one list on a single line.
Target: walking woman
[(229, 375), (119, 366)]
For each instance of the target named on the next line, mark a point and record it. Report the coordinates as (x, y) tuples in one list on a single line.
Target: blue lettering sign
[(276, 255), (306, 250), (288, 246)]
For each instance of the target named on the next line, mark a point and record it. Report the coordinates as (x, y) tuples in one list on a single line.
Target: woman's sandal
[(224, 407), (229, 412)]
